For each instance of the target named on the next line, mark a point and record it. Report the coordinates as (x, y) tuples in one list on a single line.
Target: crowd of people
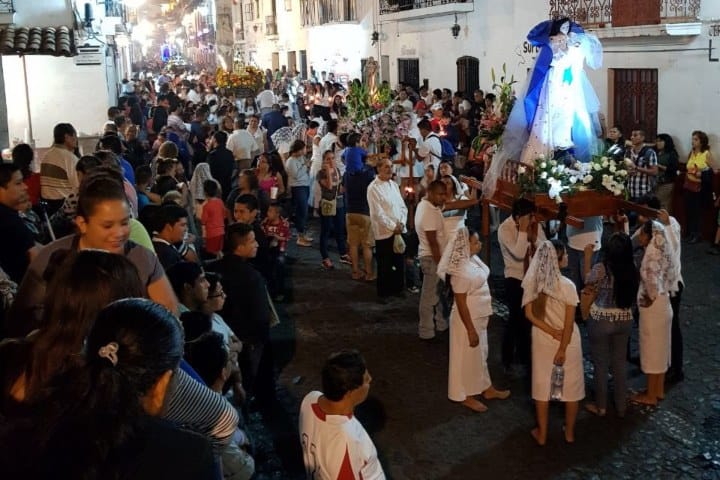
[(191, 201)]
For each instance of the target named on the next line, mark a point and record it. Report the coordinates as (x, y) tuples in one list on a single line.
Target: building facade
[(658, 71)]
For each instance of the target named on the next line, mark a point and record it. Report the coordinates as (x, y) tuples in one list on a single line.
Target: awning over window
[(55, 41)]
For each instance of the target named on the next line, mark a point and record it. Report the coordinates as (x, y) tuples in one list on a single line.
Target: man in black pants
[(388, 215), (518, 236)]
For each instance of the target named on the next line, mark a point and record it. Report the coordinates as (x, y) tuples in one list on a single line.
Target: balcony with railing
[(6, 6), (270, 25), (114, 8), (322, 12), (624, 13), (414, 9)]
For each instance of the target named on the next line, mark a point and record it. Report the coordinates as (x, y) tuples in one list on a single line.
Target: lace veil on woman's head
[(543, 275), (456, 254)]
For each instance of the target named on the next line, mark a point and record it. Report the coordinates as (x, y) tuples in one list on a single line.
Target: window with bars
[(409, 71), (6, 6), (320, 12), (249, 11), (635, 100)]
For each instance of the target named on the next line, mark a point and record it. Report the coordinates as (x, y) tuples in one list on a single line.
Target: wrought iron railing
[(6, 6), (393, 6), (320, 12), (270, 25), (599, 12), (114, 8)]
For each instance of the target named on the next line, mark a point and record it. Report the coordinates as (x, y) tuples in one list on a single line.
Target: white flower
[(543, 175), (542, 156), (553, 162), (622, 173), (605, 163), (543, 165), (613, 169), (618, 191), (572, 180), (554, 170), (561, 168), (521, 170), (587, 179), (604, 159), (596, 166)]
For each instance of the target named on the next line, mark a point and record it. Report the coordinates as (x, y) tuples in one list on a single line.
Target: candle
[(26, 137)]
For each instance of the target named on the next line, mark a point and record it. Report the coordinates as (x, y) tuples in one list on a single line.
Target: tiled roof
[(56, 41)]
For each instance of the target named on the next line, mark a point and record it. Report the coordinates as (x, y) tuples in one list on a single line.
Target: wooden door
[(635, 100)]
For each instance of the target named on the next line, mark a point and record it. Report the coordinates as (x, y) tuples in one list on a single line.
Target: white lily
[(543, 175), (543, 165), (521, 170), (587, 179)]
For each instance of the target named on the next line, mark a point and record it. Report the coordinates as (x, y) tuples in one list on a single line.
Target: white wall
[(59, 91), (493, 33), (45, 13)]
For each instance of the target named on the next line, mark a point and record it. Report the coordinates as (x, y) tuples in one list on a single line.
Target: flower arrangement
[(243, 78), (362, 105), (493, 121), (554, 178)]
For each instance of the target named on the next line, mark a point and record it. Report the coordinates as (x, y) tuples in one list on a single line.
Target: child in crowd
[(143, 181), (354, 156), (277, 230), (213, 218)]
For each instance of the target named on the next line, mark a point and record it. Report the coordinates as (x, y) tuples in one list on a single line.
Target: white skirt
[(544, 348), (655, 327), (467, 369)]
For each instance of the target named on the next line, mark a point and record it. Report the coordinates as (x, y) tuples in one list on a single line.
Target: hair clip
[(109, 351)]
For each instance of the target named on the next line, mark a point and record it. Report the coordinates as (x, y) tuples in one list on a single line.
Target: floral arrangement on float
[(244, 80), (492, 122), (362, 105)]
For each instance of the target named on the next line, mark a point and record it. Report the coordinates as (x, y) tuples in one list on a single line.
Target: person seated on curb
[(205, 351)]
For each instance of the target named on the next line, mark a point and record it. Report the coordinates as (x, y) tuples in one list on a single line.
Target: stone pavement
[(421, 435)]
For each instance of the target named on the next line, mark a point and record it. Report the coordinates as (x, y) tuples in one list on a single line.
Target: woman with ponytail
[(98, 418)]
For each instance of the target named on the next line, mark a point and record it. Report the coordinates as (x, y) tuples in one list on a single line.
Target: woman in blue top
[(298, 172)]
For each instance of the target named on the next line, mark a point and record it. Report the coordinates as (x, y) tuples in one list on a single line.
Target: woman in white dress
[(550, 300), (658, 278), (468, 373)]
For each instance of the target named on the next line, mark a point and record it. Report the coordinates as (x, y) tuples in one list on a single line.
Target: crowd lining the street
[(191, 201)]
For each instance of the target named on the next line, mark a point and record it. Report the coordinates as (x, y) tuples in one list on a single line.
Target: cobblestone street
[(421, 435)]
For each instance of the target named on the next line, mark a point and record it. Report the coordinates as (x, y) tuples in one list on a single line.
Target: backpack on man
[(447, 151)]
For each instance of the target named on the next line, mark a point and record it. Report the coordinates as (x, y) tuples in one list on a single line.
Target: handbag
[(398, 244), (691, 186), (328, 208)]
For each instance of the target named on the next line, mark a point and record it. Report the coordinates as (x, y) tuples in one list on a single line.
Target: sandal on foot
[(592, 408), (358, 276)]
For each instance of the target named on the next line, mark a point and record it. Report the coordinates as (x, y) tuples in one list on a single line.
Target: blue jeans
[(333, 224), (300, 198), (576, 265)]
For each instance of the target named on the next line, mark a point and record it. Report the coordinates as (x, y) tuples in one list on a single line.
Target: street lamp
[(455, 29)]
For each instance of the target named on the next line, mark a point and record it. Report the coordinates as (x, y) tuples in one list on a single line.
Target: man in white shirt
[(516, 235), (58, 178), (429, 149), (403, 101), (578, 238), (265, 101), (388, 216), (335, 445), (192, 95), (243, 146), (430, 229)]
